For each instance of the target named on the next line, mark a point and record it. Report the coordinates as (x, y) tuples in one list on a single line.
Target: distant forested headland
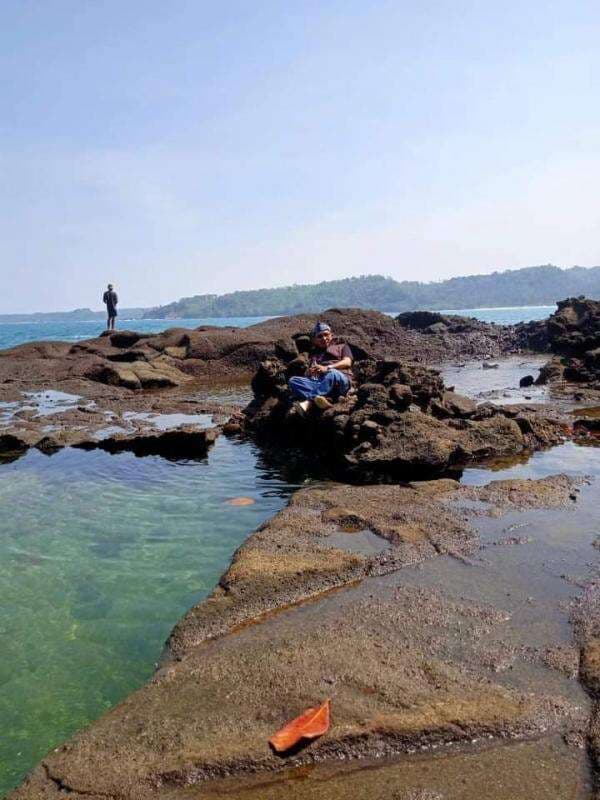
[(533, 286)]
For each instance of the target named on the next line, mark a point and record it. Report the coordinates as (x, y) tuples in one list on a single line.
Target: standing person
[(329, 371), (110, 299)]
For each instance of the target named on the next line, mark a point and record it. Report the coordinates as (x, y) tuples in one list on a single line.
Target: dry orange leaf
[(311, 723), (240, 501)]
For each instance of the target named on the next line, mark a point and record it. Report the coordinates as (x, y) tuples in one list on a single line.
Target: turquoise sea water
[(506, 316), (13, 333), (99, 557)]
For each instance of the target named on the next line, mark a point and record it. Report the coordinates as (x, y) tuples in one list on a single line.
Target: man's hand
[(317, 370)]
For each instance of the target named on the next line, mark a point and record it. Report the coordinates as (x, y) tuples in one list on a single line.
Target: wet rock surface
[(272, 640)]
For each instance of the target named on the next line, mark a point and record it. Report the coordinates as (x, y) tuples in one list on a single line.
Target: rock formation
[(400, 422), (139, 361)]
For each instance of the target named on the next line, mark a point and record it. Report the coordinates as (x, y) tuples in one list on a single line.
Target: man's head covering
[(320, 327)]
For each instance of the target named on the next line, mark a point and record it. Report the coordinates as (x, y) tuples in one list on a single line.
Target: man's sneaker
[(301, 407), (322, 402)]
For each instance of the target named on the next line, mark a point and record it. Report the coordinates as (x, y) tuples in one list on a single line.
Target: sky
[(199, 147)]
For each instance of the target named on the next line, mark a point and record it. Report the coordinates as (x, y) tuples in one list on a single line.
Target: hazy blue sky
[(178, 148)]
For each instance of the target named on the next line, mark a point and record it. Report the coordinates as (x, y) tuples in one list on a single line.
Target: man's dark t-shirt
[(111, 300), (333, 354)]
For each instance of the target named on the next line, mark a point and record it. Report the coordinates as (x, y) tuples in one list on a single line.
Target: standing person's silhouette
[(110, 299)]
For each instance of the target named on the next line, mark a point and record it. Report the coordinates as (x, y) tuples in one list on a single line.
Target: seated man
[(329, 371)]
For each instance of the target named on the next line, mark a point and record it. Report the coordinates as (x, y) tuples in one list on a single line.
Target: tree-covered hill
[(542, 285)]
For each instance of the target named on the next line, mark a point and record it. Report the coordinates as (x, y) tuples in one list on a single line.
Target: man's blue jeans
[(331, 384)]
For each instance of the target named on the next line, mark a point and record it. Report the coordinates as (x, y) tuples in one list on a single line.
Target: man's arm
[(345, 363), (346, 360), (115, 298), (104, 298)]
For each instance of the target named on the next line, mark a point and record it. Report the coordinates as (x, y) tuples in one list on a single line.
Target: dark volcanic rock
[(551, 372), (587, 426), (574, 328), (400, 423), (12, 446), (183, 442), (532, 336), (573, 334), (460, 337)]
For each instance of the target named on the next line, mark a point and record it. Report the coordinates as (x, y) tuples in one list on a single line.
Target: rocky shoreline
[(169, 373), (284, 627), (356, 591)]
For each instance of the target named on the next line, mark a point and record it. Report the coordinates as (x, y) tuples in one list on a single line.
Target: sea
[(14, 333)]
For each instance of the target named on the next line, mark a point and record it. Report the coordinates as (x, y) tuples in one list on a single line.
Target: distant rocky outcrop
[(532, 286), (460, 337)]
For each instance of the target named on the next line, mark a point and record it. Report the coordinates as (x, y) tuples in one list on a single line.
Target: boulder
[(573, 333), (458, 405), (401, 394), (587, 426)]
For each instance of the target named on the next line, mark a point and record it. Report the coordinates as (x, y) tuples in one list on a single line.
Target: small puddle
[(364, 542), (110, 430), (166, 422), (52, 401), (568, 458)]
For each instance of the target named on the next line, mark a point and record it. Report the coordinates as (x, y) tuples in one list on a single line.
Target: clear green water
[(99, 557)]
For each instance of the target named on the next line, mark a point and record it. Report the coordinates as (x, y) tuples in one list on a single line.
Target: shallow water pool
[(568, 458), (100, 555)]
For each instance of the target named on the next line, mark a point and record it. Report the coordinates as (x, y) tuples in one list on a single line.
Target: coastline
[(445, 672)]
